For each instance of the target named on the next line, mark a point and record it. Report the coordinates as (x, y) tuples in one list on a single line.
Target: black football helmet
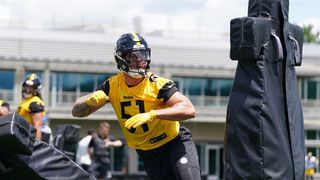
[(34, 81), (132, 43)]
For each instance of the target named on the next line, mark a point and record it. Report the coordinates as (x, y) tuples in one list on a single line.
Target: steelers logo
[(29, 82)]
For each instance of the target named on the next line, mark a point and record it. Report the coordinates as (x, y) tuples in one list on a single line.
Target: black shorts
[(176, 159)]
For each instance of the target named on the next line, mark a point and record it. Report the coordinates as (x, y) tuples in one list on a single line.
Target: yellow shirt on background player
[(30, 105), (149, 94)]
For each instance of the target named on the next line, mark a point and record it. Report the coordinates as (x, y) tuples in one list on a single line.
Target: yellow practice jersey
[(29, 106), (150, 94)]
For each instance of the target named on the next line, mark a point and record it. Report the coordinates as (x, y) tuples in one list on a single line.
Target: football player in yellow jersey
[(31, 107), (4, 108), (148, 108)]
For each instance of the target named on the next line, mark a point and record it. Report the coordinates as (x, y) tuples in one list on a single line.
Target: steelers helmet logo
[(29, 82), (32, 76)]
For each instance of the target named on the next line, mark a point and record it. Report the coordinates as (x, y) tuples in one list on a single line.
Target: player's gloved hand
[(97, 98), (139, 119)]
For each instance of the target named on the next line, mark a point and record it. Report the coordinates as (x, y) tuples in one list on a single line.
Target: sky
[(186, 17)]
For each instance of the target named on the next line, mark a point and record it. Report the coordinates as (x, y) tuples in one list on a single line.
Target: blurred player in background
[(148, 108), (4, 108), (31, 107), (311, 164), (99, 151)]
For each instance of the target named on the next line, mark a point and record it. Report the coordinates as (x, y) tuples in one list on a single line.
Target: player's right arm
[(85, 105), (4, 108), (3, 111)]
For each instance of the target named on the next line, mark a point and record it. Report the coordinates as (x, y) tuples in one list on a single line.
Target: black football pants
[(176, 160)]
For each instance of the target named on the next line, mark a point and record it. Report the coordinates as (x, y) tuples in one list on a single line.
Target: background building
[(72, 64)]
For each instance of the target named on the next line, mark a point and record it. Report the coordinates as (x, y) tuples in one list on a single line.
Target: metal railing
[(65, 100)]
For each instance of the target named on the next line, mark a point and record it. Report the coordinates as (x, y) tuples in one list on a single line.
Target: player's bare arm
[(90, 152), (37, 121), (116, 143), (179, 108), (86, 105), (4, 111)]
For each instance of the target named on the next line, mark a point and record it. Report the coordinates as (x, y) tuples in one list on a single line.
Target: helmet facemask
[(27, 91), (135, 63)]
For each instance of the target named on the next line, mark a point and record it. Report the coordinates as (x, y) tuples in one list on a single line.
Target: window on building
[(140, 164), (212, 161), (119, 159), (310, 89), (209, 159), (225, 87), (68, 81), (311, 134), (211, 87), (65, 87), (7, 85), (193, 86), (201, 155), (7, 79), (87, 83), (205, 91)]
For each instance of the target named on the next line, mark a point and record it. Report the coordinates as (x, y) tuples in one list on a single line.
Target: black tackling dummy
[(24, 157), (264, 127)]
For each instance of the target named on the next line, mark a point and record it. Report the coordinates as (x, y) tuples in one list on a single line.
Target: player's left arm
[(179, 108), (36, 112), (37, 122), (114, 143)]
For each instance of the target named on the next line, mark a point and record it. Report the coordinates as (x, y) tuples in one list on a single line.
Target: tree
[(309, 35)]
